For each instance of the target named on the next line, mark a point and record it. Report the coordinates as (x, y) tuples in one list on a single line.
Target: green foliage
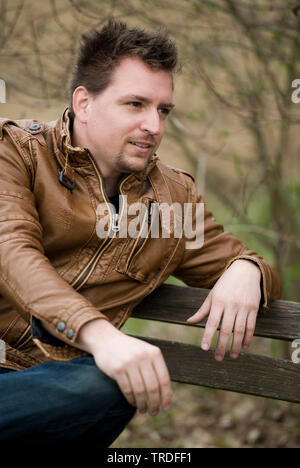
[(293, 198), (224, 133), (135, 326), (237, 161), (176, 281), (197, 8), (276, 348)]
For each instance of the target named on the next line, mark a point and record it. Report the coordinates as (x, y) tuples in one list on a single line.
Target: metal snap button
[(61, 326), (34, 127), (70, 333)]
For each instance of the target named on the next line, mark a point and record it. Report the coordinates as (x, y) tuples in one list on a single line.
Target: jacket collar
[(63, 125)]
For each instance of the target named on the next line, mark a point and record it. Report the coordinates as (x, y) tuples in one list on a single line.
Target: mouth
[(141, 146)]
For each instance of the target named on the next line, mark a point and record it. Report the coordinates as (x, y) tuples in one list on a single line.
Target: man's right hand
[(138, 367)]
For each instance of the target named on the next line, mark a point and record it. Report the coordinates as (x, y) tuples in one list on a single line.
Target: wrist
[(94, 333), (250, 264)]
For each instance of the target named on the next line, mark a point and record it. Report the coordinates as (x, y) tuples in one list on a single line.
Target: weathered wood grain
[(249, 374), (174, 304)]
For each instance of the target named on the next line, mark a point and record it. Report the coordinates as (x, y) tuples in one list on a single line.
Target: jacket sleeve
[(202, 267), (27, 278)]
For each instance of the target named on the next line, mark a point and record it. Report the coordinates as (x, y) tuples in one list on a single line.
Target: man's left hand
[(234, 300)]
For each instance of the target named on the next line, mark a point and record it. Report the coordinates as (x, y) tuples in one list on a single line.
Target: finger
[(152, 388), (164, 379), (239, 333), (225, 333), (250, 328), (126, 388), (211, 325), (138, 386), (202, 312)]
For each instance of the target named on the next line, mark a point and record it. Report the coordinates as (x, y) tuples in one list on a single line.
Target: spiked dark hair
[(100, 52)]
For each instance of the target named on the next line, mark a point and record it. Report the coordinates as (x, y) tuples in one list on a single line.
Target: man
[(66, 291)]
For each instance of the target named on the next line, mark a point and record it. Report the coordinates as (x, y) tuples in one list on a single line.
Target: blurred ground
[(204, 418)]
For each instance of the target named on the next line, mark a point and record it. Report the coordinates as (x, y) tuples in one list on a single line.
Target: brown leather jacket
[(53, 265)]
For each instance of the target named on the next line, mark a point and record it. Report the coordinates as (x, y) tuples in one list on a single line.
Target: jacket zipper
[(115, 223), (140, 242), (87, 271)]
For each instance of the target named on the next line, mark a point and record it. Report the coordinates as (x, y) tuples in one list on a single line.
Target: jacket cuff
[(264, 286), (56, 349)]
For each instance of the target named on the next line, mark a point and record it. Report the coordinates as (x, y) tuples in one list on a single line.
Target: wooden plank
[(174, 304), (249, 374)]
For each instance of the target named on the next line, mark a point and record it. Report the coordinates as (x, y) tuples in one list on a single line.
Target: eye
[(165, 111), (134, 104)]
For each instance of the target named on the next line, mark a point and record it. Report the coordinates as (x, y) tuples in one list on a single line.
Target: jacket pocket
[(145, 258)]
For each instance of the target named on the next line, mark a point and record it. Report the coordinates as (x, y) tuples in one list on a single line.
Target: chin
[(133, 166)]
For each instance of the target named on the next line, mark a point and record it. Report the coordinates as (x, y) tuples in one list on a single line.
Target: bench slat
[(174, 304), (249, 374)]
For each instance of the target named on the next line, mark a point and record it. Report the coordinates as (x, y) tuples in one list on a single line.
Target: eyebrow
[(144, 99)]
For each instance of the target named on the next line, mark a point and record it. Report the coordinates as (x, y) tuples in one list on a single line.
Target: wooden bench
[(250, 373)]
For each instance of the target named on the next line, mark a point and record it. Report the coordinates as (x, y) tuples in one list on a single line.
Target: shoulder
[(21, 131), (179, 183), (175, 174), (17, 139)]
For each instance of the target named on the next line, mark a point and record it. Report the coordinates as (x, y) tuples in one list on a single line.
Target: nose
[(151, 122)]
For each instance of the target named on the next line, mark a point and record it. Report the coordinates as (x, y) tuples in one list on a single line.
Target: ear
[(81, 99)]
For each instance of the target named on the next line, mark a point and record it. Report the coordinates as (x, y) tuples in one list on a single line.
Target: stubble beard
[(126, 166)]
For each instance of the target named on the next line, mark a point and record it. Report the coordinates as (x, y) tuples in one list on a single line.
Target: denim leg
[(57, 401)]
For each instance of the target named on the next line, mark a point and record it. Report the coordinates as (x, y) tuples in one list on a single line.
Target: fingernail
[(218, 357), (233, 355), (204, 346)]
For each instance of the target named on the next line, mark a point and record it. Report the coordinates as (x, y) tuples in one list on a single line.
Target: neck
[(111, 182), (111, 185)]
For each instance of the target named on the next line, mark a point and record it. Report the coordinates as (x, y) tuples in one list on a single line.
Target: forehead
[(132, 76)]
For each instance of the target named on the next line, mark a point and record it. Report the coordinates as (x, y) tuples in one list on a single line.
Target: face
[(123, 125)]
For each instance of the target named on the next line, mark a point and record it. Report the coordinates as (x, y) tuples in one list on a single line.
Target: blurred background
[(235, 128)]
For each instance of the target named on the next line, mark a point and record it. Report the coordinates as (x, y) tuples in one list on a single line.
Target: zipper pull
[(150, 211), (115, 223)]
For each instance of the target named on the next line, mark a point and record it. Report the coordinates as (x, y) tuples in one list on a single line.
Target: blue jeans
[(58, 401)]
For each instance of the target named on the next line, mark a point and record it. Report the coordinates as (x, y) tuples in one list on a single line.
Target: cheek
[(104, 131), (160, 136), (115, 127)]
